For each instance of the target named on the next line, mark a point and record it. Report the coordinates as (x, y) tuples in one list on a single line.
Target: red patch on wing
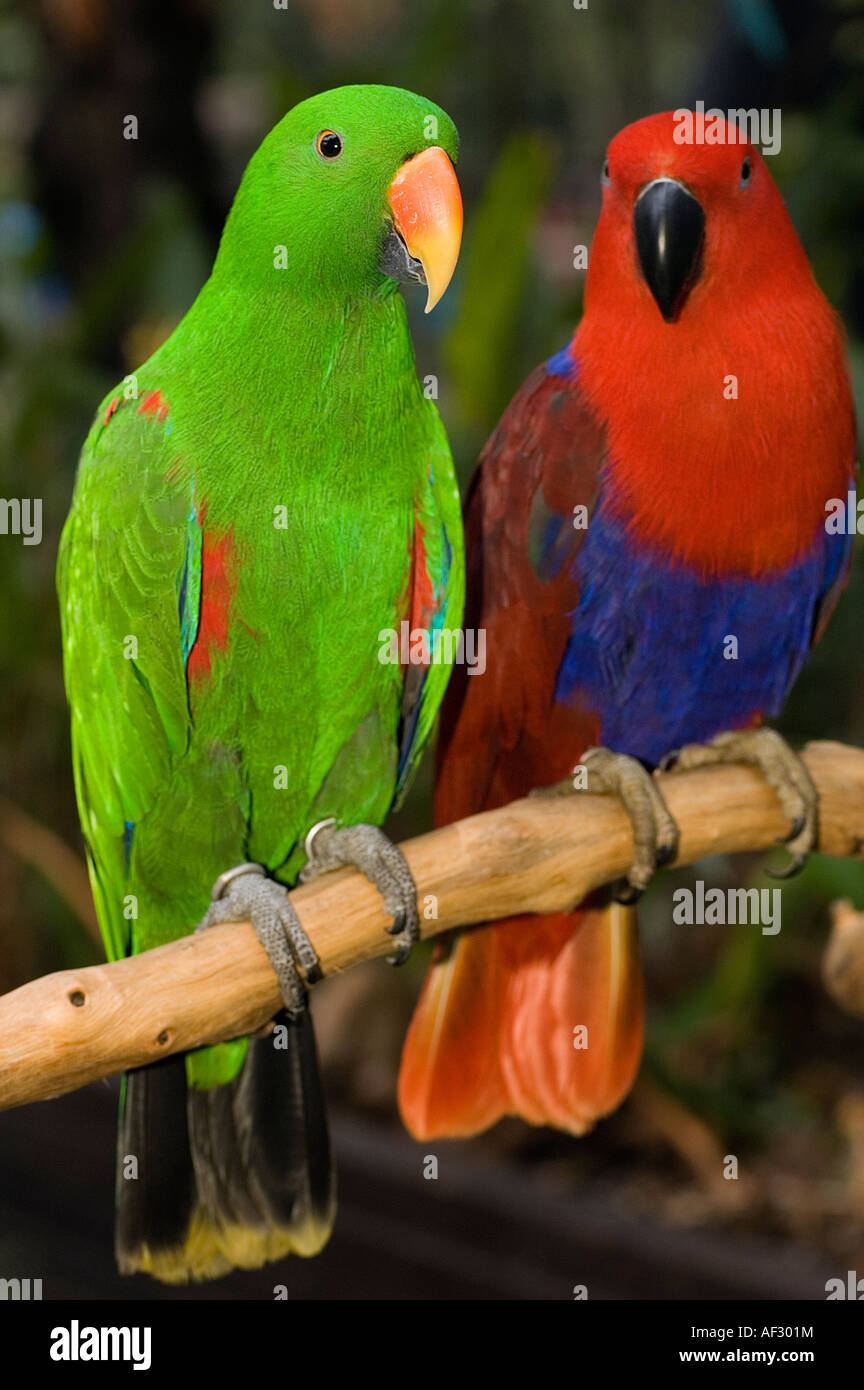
[(416, 604), (112, 406), (218, 585), (154, 404), (422, 594)]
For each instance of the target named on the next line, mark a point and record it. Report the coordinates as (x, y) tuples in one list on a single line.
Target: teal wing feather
[(128, 573)]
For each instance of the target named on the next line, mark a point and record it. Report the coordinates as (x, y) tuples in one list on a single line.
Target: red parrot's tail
[(537, 1016)]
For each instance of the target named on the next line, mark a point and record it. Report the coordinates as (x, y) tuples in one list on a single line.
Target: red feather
[(154, 404), (218, 585)]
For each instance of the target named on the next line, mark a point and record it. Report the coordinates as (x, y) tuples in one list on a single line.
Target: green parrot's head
[(353, 190)]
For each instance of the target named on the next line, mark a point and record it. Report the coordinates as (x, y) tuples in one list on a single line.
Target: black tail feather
[(261, 1145), (155, 1178), (282, 1126), (238, 1174)]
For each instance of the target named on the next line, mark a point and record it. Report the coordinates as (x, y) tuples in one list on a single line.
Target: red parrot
[(700, 420)]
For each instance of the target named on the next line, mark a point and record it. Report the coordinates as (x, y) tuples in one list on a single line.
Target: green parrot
[(257, 510)]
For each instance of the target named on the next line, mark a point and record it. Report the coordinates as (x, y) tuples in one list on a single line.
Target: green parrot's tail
[(229, 1177)]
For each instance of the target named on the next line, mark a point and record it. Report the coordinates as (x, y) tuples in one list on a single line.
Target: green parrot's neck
[(261, 348), (320, 390)]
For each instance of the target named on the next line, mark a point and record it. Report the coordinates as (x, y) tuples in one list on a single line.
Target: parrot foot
[(367, 848), (246, 894), (784, 772), (655, 834)]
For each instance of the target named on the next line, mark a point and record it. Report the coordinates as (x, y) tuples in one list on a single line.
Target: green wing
[(128, 567)]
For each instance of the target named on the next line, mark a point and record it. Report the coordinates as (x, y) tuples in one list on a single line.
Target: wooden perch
[(535, 855)]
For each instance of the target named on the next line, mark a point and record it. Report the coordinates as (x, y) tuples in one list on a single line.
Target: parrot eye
[(328, 144), (604, 176), (746, 171)]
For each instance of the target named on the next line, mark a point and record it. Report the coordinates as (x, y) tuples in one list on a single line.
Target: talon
[(797, 826), (627, 894), (367, 849), (786, 774), (667, 760), (792, 868), (245, 893), (655, 834), (397, 926)]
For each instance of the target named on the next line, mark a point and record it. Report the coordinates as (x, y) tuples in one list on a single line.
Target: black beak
[(398, 263), (669, 225)]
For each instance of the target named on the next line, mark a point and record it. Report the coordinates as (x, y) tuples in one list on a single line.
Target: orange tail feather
[(539, 1017)]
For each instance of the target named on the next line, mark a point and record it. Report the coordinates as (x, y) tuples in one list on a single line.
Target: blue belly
[(650, 649)]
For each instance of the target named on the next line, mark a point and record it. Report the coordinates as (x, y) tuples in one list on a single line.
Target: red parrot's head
[(687, 215), (709, 354)]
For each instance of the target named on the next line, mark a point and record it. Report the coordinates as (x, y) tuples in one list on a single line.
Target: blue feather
[(189, 587), (649, 645), (128, 832), (563, 363)]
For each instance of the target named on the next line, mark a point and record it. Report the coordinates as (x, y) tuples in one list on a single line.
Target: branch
[(537, 855)]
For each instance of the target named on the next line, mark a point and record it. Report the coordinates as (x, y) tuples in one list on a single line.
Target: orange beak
[(427, 212)]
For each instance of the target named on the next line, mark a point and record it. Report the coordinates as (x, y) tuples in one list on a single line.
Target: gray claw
[(784, 772), (655, 834), (795, 865), (398, 924), (794, 831), (400, 955), (367, 848), (627, 894), (245, 893)]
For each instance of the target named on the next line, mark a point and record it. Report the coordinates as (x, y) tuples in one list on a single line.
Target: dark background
[(104, 242)]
